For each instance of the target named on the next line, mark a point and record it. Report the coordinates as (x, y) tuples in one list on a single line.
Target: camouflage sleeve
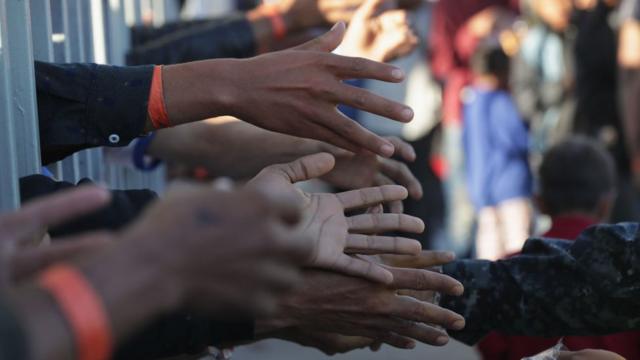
[(554, 288)]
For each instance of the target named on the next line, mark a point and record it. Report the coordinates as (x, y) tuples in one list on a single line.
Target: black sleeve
[(181, 334), (125, 206), (87, 105), (231, 37), (13, 342), (554, 288)]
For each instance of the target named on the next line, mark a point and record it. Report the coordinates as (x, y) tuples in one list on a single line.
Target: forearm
[(223, 143), (555, 288)]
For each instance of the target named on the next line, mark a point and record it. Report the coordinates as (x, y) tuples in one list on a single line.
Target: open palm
[(336, 235)]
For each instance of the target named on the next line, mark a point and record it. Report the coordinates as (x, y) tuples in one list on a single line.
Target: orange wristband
[(82, 308), (157, 109), (277, 21)]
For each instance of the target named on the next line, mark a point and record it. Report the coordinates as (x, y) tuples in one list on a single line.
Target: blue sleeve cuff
[(140, 158)]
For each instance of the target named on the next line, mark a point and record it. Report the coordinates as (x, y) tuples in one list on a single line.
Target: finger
[(418, 331), (327, 42), (418, 279), (369, 9), (367, 101), (357, 199), (358, 136), (395, 340), (401, 174), (361, 268), (408, 308), (379, 223), (426, 259), (305, 168), (376, 209), (395, 207), (56, 209), (403, 149), (346, 67), (371, 244), (325, 134), (30, 261)]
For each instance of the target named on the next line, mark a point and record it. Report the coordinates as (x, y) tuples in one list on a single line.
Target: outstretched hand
[(379, 36), (336, 235), (355, 171)]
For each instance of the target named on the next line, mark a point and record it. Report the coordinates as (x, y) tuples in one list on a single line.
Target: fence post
[(22, 90), (9, 192)]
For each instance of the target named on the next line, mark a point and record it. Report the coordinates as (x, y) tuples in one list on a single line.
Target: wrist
[(200, 90), (131, 288)]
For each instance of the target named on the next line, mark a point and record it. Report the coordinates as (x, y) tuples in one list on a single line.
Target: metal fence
[(62, 31)]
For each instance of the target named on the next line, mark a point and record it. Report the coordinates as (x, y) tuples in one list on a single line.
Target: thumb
[(307, 168), (327, 42)]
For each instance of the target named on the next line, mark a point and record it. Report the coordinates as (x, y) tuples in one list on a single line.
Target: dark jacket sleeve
[(87, 105), (13, 342), (125, 206), (554, 288), (229, 37)]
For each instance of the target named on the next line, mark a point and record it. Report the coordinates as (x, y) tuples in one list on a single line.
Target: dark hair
[(575, 175), (490, 59)]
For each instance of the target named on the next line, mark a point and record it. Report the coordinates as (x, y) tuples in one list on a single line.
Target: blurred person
[(543, 78), (628, 60), (577, 190), (496, 157), (597, 112), (457, 27)]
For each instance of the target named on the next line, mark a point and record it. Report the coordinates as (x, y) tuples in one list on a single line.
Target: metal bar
[(22, 86), (41, 30), (9, 192)]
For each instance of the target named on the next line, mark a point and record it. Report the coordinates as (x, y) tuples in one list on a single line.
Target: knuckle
[(358, 65)]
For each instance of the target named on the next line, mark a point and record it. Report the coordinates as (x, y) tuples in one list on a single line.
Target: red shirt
[(501, 347)]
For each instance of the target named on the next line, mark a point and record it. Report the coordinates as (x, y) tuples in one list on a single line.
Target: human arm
[(220, 144), (124, 207), (554, 288), (164, 252)]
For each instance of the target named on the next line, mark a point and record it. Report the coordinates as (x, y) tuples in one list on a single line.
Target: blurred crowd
[(328, 161)]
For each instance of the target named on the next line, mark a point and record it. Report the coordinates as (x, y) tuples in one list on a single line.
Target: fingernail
[(397, 74), (387, 149), (407, 114), (458, 324), (442, 340), (411, 345), (449, 255), (458, 289)]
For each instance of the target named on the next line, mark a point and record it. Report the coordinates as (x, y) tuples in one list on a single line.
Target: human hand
[(224, 253), (378, 36), (306, 14), (297, 91), (29, 224), (33, 219), (330, 302), (356, 171), (589, 354), (335, 235)]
